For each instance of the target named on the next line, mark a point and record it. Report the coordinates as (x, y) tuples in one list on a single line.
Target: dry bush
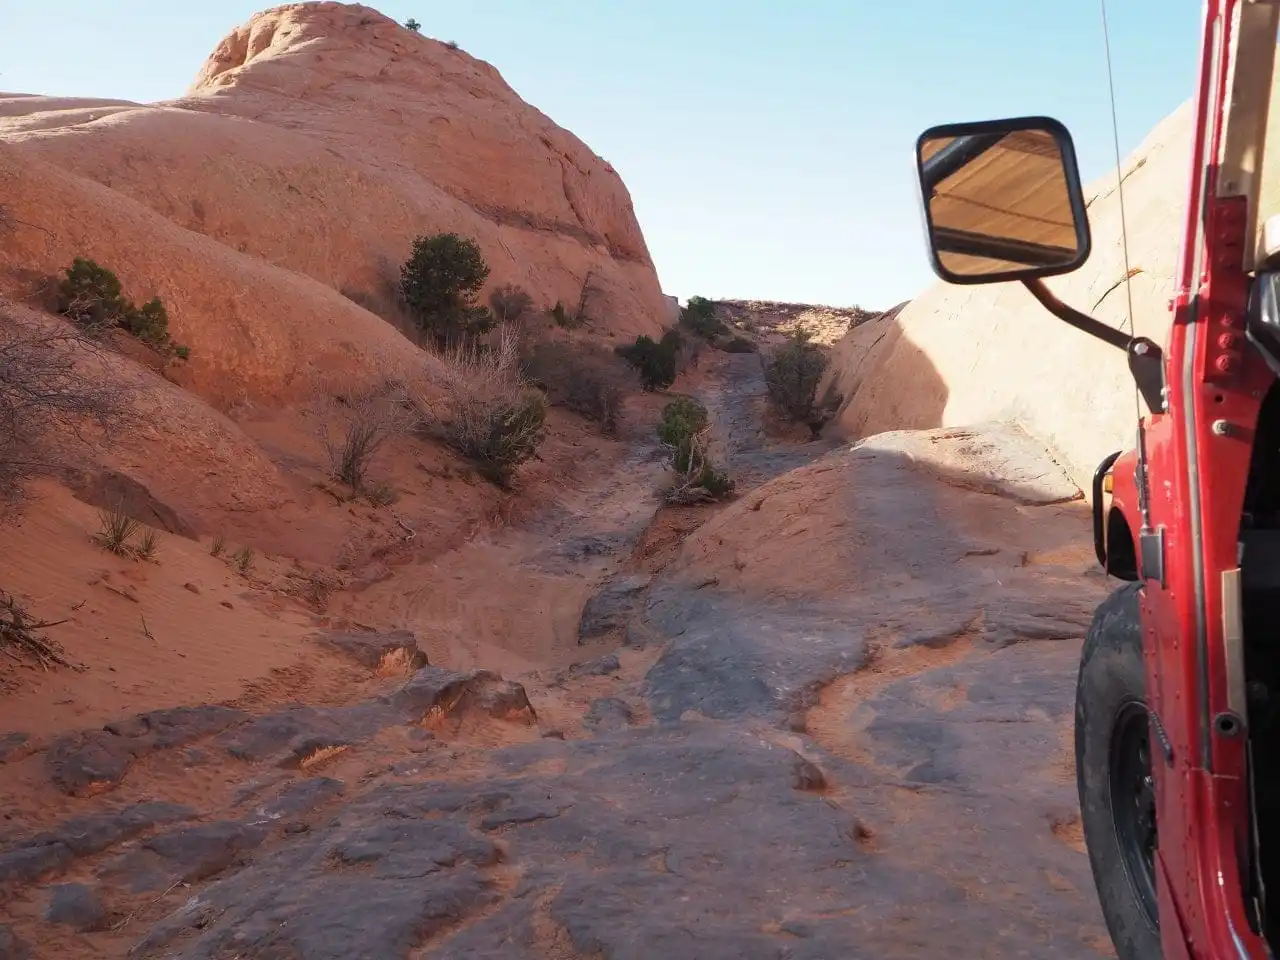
[(485, 410), (510, 303), (825, 412), (319, 587), (371, 422), (688, 350), (45, 393), (561, 317), (381, 495), (583, 377)]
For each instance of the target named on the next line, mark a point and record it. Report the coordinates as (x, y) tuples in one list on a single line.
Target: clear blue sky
[(766, 143)]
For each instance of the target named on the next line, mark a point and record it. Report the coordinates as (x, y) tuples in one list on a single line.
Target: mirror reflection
[(999, 202)]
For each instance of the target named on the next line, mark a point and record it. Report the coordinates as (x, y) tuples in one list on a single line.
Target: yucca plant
[(147, 544), (117, 530)]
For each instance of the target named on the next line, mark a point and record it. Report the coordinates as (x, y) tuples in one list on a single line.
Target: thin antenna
[(1124, 222)]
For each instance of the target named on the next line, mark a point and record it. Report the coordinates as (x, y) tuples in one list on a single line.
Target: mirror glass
[(1000, 202)]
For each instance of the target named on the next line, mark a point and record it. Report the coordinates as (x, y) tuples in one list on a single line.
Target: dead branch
[(689, 487), (8, 221), (20, 632)]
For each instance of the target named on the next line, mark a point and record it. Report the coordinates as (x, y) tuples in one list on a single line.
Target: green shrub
[(699, 316), (683, 431), (149, 323), (682, 418), (510, 433), (439, 283), (581, 377), (91, 296), (657, 363), (792, 374)]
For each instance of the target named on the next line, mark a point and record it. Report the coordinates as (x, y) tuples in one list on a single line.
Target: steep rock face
[(960, 355), (197, 463), (316, 142)]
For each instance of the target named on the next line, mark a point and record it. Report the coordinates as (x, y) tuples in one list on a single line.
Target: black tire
[(1117, 806)]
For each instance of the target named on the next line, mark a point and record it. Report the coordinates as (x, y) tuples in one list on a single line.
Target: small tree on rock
[(656, 362), (699, 316), (439, 283), (412, 24), (683, 431), (91, 295)]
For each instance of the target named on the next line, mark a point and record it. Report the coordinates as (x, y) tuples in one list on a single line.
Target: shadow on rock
[(789, 589), (881, 600)]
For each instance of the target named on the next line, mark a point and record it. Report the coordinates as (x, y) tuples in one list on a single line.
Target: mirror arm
[(1146, 360), (1081, 321)]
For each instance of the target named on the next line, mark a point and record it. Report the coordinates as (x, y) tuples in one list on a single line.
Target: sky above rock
[(767, 146)]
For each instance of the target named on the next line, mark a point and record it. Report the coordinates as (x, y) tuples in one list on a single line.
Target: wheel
[(1113, 775)]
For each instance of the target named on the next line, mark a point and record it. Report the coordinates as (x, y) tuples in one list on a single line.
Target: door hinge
[(1151, 547)]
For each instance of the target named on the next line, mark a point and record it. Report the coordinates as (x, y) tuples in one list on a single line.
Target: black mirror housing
[(1002, 200)]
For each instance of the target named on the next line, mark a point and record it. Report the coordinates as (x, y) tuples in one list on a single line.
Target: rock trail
[(868, 759)]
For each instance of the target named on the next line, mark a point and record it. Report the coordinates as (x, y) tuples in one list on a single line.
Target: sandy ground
[(185, 627), (445, 560)]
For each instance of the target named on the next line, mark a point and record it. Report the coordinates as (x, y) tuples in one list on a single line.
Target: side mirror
[(1002, 200)]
